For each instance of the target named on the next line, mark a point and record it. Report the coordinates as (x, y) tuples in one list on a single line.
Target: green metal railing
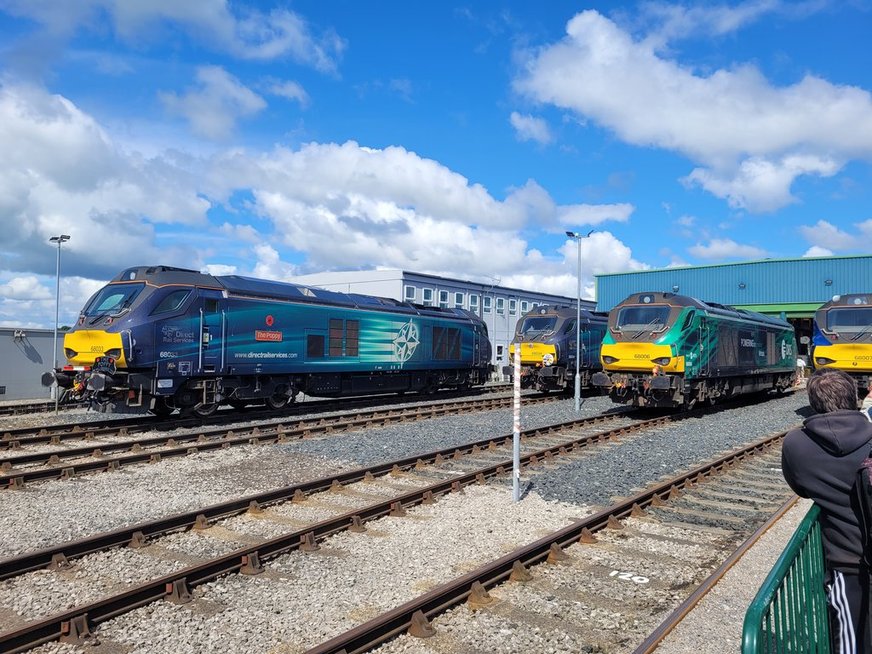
[(789, 613)]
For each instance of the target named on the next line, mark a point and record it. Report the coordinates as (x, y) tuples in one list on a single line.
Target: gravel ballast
[(314, 596)]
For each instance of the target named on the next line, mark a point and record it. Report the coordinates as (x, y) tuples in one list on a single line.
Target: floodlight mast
[(577, 236)]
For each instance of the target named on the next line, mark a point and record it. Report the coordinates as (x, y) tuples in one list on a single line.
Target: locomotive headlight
[(548, 359), (823, 361), (70, 353), (608, 359), (115, 352), (661, 361)]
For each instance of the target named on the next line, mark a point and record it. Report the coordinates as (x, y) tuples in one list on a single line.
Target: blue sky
[(277, 139)]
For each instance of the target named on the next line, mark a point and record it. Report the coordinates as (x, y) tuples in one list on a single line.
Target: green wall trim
[(795, 310)]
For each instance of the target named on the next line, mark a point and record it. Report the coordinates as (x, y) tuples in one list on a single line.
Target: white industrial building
[(499, 306)]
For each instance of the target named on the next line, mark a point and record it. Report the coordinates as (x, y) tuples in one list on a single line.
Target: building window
[(458, 300), (428, 296), (443, 299), (501, 305), (410, 293), (499, 352), (513, 306), (473, 303), (535, 305), (486, 303), (525, 306)]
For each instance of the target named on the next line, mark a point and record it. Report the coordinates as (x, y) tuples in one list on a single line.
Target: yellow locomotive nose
[(533, 354), (850, 357), (640, 357), (82, 347)]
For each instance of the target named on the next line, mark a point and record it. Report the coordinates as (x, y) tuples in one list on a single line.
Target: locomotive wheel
[(201, 410), (161, 410), (277, 401)]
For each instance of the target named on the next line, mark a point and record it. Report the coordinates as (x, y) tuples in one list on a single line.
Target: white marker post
[(516, 429)]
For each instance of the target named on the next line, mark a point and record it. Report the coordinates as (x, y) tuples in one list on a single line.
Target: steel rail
[(665, 628), (71, 431), (218, 439), (120, 537), (399, 620), (81, 618)]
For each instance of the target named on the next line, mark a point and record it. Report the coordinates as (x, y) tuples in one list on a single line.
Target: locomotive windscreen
[(644, 317), (849, 320), (112, 299), (538, 324)]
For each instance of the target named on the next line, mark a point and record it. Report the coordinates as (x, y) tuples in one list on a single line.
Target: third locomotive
[(668, 350)]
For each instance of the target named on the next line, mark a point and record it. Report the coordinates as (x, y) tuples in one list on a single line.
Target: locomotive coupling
[(63, 379)]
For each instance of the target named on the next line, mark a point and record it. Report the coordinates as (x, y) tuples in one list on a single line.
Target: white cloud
[(594, 214), (220, 269), (826, 235), (760, 185), (817, 251), (61, 173), (246, 233), (25, 288), (215, 106), (320, 207), (530, 128), (246, 33), (724, 248), (270, 265), (675, 21), (750, 138), (292, 91)]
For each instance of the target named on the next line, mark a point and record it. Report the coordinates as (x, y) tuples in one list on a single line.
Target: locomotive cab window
[(653, 317), (172, 302), (538, 325), (113, 299), (849, 320)]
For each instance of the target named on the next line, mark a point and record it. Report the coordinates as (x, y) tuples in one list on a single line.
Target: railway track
[(40, 406), (17, 469), (670, 542), (433, 475), (131, 425)]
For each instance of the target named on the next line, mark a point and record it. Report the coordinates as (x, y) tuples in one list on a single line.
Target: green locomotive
[(668, 350)]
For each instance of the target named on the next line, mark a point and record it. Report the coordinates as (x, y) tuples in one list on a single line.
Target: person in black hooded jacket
[(820, 461)]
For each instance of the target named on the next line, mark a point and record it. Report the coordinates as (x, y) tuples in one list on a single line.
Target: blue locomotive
[(160, 338), (547, 339)]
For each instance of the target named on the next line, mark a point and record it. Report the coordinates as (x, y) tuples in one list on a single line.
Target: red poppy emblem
[(269, 321)]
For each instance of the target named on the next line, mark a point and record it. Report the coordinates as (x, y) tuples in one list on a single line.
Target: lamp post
[(63, 238), (577, 236)]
